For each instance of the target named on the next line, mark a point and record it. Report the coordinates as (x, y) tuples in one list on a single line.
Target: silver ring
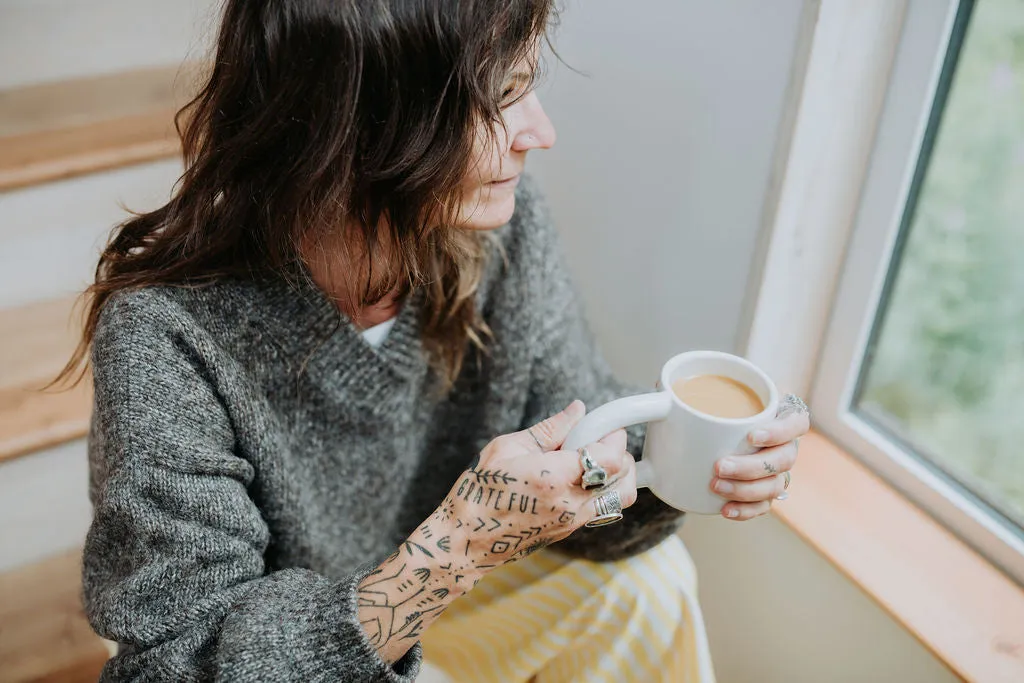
[(535, 439), (608, 508), (785, 485), (792, 404), (594, 476)]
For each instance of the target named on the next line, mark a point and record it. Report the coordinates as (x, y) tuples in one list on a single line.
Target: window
[(945, 370), (922, 370)]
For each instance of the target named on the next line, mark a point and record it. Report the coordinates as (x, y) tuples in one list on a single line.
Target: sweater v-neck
[(309, 327)]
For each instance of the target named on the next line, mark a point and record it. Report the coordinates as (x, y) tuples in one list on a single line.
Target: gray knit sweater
[(252, 458)]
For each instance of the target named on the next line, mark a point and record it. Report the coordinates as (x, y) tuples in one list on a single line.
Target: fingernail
[(760, 437), (723, 486), (733, 513), (782, 496), (576, 407), (727, 467)]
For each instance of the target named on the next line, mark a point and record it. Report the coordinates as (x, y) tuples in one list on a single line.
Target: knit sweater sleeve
[(568, 365), (174, 560)]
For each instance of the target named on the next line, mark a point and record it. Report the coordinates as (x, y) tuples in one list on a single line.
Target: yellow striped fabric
[(554, 620)]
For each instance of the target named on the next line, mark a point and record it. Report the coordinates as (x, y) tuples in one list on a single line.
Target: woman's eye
[(514, 90)]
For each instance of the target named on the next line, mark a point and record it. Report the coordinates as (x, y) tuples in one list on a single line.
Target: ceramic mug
[(683, 444)]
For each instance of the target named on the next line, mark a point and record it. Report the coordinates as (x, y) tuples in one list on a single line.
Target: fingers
[(549, 434), (626, 484), (762, 464), (564, 466), (616, 440), (750, 491), (740, 512), (781, 431)]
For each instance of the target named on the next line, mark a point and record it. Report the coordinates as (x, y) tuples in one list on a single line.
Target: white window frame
[(865, 101)]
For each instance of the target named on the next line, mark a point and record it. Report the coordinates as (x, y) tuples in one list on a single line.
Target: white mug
[(682, 444)]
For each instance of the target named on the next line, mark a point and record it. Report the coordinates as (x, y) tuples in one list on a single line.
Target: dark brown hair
[(324, 116)]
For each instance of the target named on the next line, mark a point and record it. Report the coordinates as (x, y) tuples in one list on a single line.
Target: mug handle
[(619, 414)]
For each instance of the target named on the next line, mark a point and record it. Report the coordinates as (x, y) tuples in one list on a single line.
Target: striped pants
[(554, 620)]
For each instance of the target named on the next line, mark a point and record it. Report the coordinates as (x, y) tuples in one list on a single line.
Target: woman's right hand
[(525, 493)]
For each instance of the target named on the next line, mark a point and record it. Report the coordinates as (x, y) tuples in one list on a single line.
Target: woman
[(304, 361)]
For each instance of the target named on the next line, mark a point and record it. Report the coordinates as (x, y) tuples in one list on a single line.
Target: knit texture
[(252, 458)]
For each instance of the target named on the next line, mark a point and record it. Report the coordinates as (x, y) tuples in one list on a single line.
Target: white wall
[(662, 165), (51, 235), (662, 160), (776, 610), (44, 504), (47, 40)]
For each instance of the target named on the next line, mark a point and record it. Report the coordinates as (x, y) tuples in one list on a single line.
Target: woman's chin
[(492, 216)]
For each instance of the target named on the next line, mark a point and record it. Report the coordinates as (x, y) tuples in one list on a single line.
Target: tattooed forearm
[(491, 517), (410, 589)]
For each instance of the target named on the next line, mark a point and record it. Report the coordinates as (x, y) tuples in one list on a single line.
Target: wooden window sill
[(963, 609)]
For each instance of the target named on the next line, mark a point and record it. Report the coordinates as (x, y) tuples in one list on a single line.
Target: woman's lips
[(506, 183)]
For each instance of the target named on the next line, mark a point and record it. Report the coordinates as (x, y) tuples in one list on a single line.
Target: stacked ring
[(608, 508)]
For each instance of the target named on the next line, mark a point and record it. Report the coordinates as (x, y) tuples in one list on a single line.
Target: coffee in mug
[(706, 405), (718, 396)]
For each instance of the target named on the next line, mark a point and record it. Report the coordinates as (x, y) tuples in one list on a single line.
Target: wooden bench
[(58, 130), (44, 635), (48, 132), (35, 342)]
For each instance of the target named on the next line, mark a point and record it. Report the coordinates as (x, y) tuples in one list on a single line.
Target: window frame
[(914, 83)]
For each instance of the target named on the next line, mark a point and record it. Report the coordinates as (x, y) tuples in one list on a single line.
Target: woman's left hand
[(751, 482)]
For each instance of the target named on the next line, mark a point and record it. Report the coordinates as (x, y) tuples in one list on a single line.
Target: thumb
[(548, 435)]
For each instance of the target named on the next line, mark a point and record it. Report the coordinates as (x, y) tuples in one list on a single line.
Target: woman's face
[(488, 192)]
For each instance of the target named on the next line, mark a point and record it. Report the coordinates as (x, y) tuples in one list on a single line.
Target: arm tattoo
[(397, 599), (446, 556)]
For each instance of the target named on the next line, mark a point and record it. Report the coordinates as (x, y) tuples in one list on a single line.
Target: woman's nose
[(536, 130)]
